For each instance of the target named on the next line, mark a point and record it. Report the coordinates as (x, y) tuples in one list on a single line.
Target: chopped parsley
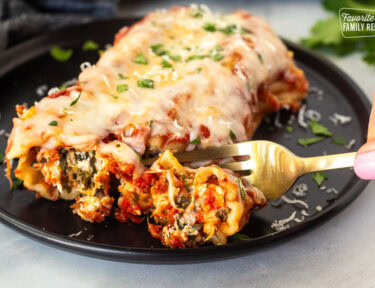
[(150, 123), (338, 141), (146, 83), (242, 188), (217, 57), (232, 135), (289, 128), (60, 54), (319, 129), (158, 49), (238, 237), (176, 58), (319, 177), (165, 64), (1, 158), (196, 141), (141, 59), (17, 183), (76, 100), (62, 87), (309, 141), (209, 26), (114, 96), (100, 51), (53, 123), (229, 30), (121, 76), (90, 45), (260, 58), (197, 13), (245, 31), (122, 88), (199, 69), (195, 57)]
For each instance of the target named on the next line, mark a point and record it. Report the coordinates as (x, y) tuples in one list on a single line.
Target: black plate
[(27, 66)]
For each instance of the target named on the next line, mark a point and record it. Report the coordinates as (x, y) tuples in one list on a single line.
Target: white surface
[(339, 253)]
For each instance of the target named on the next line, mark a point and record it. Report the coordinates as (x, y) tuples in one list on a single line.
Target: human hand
[(364, 164)]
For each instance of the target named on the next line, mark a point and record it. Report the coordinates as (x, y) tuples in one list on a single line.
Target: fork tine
[(238, 149), (239, 166)]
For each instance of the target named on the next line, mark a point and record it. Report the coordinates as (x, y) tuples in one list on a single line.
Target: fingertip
[(364, 165)]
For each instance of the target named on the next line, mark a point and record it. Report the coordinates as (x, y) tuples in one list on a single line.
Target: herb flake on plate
[(309, 141), (59, 54), (90, 45), (237, 237), (319, 129), (319, 177)]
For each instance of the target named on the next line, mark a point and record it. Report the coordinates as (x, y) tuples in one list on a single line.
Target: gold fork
[(273, 168)]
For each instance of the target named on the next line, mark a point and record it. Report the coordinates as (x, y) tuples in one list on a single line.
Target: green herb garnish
[(158, 49), (62, 87), (121, 76), (176, 58), (165, 64), (141, 59), (195, 57), (245, 31), (289, 128), (338, 141), (232, 135), (309, 141), (196, 141), (199, 69), (150, 123), (146, 83), (260, 58), (60, 54), (209, 26), (1, 158), (53, 123), (229, 30), (242, 188), (90, 45), (319, 129), (319, 177), (114, 96), (17, 183), (122, 88), (76, 100), (217, 57), (238, 237)]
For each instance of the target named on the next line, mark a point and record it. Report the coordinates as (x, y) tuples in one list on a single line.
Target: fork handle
[(328, 162)]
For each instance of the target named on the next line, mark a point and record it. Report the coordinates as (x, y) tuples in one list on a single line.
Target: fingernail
[(364, 165)]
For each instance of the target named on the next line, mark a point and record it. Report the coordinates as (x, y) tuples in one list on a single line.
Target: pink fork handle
[(364, 165)]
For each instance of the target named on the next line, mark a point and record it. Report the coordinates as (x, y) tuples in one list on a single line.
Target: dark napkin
[(23, 19)]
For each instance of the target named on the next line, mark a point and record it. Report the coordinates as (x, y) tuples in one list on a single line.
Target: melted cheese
[(217, 94)]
